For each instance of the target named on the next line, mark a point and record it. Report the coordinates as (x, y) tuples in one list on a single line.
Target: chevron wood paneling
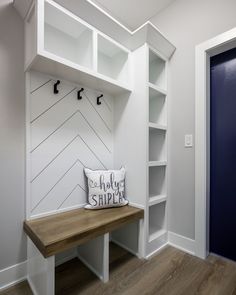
[(66, 135)]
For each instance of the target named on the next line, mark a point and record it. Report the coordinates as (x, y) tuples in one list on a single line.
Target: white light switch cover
[(188, 140)]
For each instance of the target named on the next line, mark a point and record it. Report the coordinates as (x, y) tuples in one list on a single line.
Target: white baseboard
[(156, 252), (12, 275), (182, 243)]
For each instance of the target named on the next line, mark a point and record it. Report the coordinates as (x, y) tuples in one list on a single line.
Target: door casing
[(203, 53)]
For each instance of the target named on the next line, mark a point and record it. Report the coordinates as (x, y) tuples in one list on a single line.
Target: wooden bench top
[(56, 233)]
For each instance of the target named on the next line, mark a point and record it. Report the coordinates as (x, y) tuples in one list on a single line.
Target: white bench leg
[(95, 255), (41, 271)]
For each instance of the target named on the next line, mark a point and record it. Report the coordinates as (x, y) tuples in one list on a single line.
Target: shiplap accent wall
[(65, 135)]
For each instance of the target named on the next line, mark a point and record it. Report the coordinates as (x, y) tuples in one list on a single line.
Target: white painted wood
[(180, 242), (95, 255), (64, 136), (157, 145), (13, 275), (127, 237), (27, 145), (41, 271), (98, 18), (141, 240), (157, 208), (67, 135), (157, 70), (157, 181), (157, 126), (157, 107), (43, 99), (209, 48), (64, 46), (157, 163), (30, 28), (53, 47), (113, 61), (51, 64), (156, 199), (155, 245), (66, 37), (130, 132), (157, 220)]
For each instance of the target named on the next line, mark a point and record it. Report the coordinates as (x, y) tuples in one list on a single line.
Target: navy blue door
[(223, 155)]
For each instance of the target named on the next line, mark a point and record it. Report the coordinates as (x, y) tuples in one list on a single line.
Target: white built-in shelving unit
[(61, 44), (157, 153), (131, 71)]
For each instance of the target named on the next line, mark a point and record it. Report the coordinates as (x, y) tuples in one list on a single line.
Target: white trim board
[(204, 51), (12, 275), (182, 243)]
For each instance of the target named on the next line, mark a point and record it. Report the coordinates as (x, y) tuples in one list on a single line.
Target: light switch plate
[(188, 140)]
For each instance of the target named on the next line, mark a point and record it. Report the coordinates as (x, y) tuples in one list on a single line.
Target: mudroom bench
[(86, 230)]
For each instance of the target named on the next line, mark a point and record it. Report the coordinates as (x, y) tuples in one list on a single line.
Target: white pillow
[(106, 188)]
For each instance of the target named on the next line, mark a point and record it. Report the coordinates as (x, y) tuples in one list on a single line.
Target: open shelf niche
[(112, 60), (157, 221), (65, 37), (157, 70), (157, 145), (157, 182), (157, 108)]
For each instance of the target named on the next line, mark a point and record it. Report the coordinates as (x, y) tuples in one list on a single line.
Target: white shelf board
[(157, 126), (156, 235), (155, 90), (53, 65), (157, 163), (153, 200)]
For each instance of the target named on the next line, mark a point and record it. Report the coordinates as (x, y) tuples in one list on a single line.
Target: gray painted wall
[(187, 23), (12, 136)]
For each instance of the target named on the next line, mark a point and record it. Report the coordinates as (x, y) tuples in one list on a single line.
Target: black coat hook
[(55, 90), (98, 99), (79, 96)]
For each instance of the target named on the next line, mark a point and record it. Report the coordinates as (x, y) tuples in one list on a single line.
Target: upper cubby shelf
[(112, 60), (62, 45), (65, 37), (157, 71)]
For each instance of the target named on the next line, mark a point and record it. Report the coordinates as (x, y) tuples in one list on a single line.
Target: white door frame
[(204, 51)]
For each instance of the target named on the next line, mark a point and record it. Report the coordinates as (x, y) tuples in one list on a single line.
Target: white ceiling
[(132, 13)]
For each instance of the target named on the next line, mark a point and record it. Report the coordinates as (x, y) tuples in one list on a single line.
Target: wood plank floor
[(172, 272)]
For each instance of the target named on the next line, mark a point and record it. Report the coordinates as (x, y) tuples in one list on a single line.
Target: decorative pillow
[(106, 188)]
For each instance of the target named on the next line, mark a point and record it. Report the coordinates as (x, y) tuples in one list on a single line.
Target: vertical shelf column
[(157, 142)]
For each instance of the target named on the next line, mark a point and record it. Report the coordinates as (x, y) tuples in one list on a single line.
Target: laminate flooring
[(171, 272)]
